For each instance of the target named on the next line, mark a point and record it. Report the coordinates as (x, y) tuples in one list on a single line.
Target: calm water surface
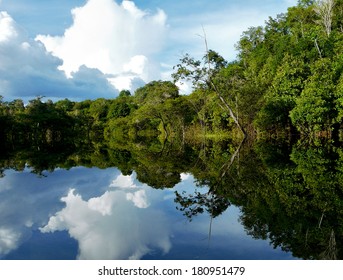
[(92, 213)]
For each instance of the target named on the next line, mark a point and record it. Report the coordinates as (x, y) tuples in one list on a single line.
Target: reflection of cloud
[(186, 176), (111, 226), (26, 202), (139, 197), (8, 240), (123, 182)]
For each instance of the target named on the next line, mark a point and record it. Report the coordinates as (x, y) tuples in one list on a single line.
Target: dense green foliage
[(287, 76), (296, 63)]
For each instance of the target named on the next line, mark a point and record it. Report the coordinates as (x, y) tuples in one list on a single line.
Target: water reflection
[(116, 225), (27, 201), (113, 216), (214, 201)]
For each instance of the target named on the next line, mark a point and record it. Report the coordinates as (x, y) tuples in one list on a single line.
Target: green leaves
[(156, 92), (315, 108)]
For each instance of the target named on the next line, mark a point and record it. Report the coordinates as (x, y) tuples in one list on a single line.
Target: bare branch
[(324, 9)]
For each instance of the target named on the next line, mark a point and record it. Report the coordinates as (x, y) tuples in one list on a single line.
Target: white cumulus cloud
[(27, 69), (118, 39)]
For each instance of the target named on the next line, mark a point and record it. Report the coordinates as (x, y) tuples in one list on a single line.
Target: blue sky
[(82, 49)]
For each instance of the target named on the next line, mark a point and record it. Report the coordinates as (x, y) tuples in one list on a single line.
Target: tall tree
[(204, 76), (324, 9)]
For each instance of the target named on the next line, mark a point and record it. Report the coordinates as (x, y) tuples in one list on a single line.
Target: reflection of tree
[(299, 204), (330, 253), (212, 202), (198, 203), (291, 195), (159, 164)]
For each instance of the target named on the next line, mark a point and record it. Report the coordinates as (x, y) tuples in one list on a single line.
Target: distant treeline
[(287, 79)]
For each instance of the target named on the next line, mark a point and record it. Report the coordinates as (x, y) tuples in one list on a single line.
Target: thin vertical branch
[(317, 47), (228, 107)]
